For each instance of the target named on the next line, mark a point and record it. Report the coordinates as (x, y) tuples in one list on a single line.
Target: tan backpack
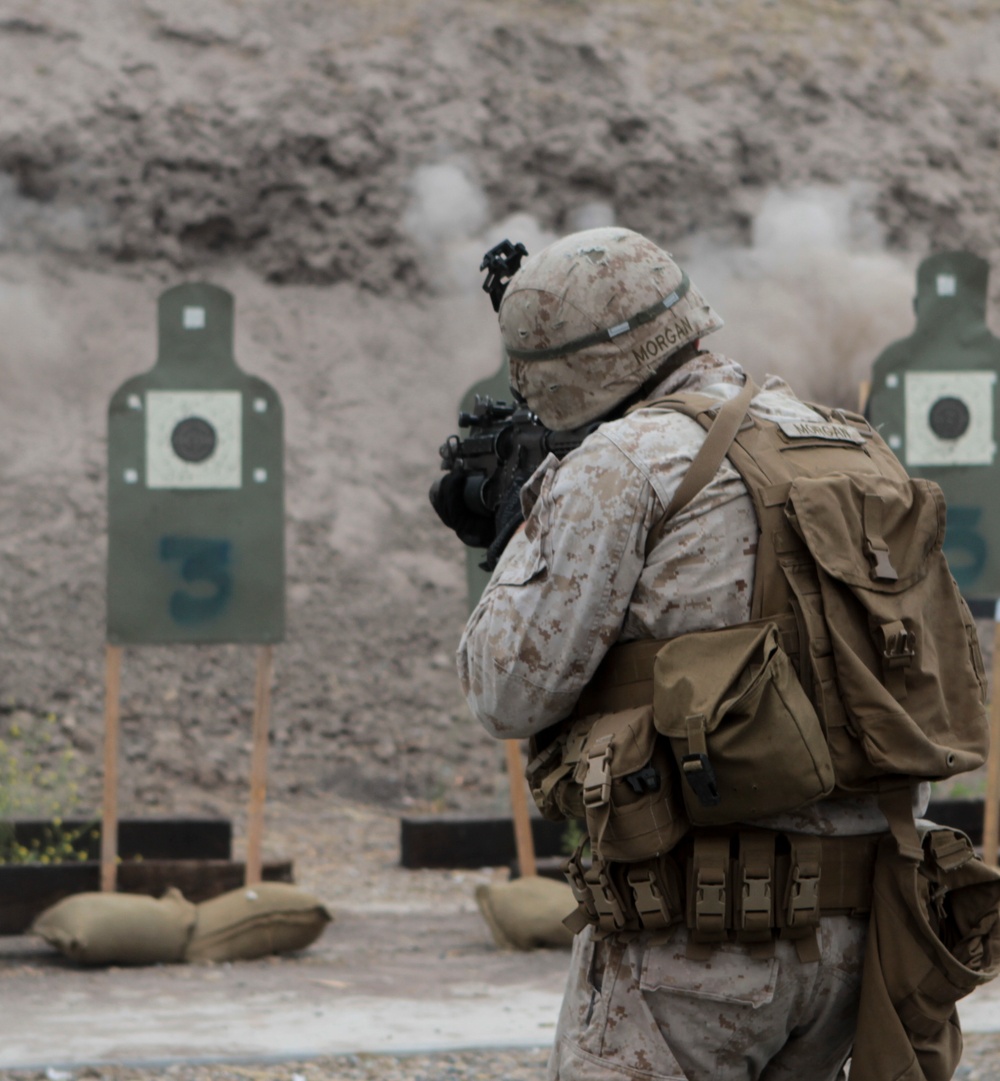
[(852, 586), (859, 669)]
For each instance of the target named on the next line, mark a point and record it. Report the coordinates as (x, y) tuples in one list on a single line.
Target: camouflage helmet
[(591, 318)]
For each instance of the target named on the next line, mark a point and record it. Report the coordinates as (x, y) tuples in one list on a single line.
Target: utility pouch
[(886, 628), (628, 788), (934, 937), (746, 738), (551, 768)]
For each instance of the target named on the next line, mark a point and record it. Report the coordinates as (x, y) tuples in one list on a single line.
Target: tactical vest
[(859, 669)]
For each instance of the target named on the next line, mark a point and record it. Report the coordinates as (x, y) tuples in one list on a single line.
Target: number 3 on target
[(203, 564), (964, 546)]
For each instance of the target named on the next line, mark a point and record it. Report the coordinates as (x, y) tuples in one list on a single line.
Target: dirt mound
[(283, 151)]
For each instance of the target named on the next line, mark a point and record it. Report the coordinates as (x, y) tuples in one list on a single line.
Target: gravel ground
[(467, 1065), (981, 1062)]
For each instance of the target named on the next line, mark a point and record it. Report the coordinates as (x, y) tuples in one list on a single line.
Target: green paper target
[(935, 398), (195, 488)]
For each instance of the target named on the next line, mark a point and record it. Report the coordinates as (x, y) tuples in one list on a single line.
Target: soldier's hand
[(447, 497)]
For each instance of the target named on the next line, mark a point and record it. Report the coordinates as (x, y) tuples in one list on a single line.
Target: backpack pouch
[(747, 741), (934, 937), (902, 643)]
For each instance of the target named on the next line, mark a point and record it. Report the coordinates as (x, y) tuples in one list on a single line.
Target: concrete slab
[(170, 1028), (376, 982), (361, 988)]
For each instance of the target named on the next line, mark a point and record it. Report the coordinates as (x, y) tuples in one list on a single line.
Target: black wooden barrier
[(143, 838), (452, 841)]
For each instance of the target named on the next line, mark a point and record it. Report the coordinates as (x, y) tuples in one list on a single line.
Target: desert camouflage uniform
[(577, 580)]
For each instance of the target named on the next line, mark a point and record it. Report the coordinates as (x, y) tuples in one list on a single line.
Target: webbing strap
[(776, 882), (597, 790), (899, 649), (897, 806)]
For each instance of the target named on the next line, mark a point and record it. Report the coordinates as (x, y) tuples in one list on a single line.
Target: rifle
[(480, 495)]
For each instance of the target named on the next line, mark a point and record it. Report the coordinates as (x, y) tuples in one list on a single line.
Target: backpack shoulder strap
[(710, 454)]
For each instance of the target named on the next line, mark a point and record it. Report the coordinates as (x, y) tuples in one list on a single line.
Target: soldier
[(730, 954)]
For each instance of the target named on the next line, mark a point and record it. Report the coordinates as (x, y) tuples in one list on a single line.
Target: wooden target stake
[(109, 812), (991, 807), (523, 840), (258, 763)]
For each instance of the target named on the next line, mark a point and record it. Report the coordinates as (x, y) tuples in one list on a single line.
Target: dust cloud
[(814, 298)]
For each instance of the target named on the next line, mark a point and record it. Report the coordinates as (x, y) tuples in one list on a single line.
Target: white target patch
[(194, 439), (949, 418)]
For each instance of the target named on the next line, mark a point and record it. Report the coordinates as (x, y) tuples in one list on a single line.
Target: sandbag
[(118, 928), (528, 913), (253, 921)]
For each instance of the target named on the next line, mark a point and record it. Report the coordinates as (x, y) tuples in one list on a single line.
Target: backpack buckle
[(875, 547), (597, 782), (899, 646), (951, 850), (803, 896), (611, 914), (700, 775), (650, 901), (574, 871), (710, 899), (882, 568), (644, 781), (755, 902)]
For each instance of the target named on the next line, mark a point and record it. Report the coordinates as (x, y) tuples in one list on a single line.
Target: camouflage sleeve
[(558, 598)]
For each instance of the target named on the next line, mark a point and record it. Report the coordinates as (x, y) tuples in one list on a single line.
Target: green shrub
[(39, 781)]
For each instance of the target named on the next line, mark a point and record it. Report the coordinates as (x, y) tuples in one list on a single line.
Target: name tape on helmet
[(647, 315), (682, 331)]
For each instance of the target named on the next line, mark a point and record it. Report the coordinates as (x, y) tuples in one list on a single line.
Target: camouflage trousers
[(648, 1013)]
